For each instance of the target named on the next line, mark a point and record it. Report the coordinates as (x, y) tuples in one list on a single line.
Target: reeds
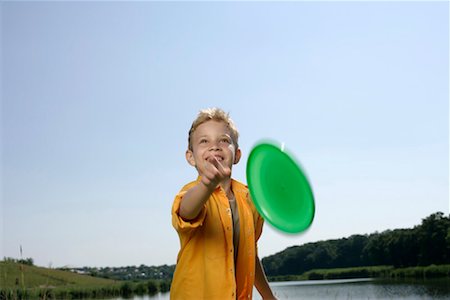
[(121, 289), (420, 272)]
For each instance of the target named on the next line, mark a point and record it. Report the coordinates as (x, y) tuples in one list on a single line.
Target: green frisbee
[(279, 188)]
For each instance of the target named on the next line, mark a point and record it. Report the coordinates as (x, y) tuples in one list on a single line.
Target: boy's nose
[(214, 146)]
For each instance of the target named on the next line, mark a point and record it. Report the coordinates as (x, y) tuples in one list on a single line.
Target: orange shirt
[(205, 264)]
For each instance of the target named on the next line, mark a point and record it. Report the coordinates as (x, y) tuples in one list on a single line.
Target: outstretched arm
[(194, 199), (261, 283)]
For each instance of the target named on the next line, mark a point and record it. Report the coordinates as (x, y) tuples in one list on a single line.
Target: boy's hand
[(214, 172)]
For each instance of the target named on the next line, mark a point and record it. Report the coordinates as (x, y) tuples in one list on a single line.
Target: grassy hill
[(14, 275), (20, 281)]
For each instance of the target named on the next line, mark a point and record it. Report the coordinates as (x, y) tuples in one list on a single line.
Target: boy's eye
[(203, 141), (225, 140)]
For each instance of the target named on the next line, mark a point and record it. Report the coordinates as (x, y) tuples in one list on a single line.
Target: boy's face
[(210, 140)]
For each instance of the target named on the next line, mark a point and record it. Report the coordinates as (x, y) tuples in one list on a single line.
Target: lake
[(351, 289)]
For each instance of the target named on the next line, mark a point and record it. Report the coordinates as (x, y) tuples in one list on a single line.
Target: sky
[(97, 99)]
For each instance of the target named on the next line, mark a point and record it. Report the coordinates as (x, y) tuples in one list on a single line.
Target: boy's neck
[(226, 186)]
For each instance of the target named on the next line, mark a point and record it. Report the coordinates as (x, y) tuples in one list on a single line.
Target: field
[(14, 275), (19, 281)]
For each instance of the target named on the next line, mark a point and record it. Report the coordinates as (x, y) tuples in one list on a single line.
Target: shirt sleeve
[(178, 222)]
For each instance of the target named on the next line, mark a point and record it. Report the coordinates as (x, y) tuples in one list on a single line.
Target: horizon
[(166, 264)]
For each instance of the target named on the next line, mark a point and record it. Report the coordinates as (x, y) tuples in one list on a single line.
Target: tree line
[(27, 261), (133, 273), (423, 245)]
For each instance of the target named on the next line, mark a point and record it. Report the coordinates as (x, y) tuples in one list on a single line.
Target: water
[(350, 289), (360, 289)]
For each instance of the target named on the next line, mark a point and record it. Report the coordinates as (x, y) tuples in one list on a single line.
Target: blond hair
[(215, 114)]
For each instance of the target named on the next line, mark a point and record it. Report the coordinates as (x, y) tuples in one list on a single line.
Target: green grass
[(422, 272), (14, 275), (30, 282), (432, 271), (346, 273)]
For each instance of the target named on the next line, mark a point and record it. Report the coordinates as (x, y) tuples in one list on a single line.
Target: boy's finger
[(213, 161), (211, 167), (210, 164), (223, 170)]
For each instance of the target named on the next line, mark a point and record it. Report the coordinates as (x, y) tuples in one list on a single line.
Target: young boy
[(215, 219)]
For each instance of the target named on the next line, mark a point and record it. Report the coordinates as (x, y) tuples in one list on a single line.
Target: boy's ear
[(190, 157), (237, 156)]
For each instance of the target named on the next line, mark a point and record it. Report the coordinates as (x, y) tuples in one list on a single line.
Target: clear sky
[(98, 97)]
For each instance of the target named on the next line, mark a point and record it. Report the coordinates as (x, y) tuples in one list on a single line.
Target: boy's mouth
[(213, 157)]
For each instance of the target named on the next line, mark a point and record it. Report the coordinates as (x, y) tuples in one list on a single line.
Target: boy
[(216, 221)]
